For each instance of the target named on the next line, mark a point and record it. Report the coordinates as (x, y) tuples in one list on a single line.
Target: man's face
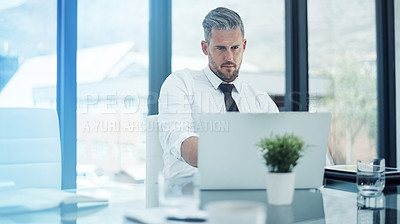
[(225, 53)]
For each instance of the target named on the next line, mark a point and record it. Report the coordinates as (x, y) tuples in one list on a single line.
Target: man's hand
[(189, 149)]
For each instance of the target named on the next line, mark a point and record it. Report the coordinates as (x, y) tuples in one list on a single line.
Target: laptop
[(229, 159)]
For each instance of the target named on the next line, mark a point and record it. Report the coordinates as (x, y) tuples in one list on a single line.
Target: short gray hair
[(221, 19)]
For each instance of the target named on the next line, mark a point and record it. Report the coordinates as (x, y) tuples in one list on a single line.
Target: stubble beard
[(225, 77)]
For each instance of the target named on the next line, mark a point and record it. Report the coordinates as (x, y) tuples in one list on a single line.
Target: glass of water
[(371, 177), (178, 193)]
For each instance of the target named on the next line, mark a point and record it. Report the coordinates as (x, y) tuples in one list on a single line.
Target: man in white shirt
[(216, 89)]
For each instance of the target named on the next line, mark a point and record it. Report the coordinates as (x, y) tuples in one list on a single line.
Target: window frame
[(66, 88), (296, 39), (386, 69)]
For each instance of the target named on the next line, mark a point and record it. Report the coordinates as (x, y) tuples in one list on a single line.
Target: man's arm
[(189, 150), (176, 121)]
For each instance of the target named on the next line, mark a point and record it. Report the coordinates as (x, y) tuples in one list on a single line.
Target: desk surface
[(325, 205)]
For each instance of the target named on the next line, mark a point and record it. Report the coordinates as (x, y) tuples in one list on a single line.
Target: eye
[(235, 47), (220, 48)]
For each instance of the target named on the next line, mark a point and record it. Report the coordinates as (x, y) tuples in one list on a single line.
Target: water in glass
[(371, 177)]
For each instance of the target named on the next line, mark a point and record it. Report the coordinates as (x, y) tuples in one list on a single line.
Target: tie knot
[(226, 88)]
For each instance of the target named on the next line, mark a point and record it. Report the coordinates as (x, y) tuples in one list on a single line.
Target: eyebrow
[(222, 46)]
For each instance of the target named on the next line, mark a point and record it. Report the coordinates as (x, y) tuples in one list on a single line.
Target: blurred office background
[(112, 70)]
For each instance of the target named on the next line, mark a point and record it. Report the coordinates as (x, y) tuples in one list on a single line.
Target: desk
[(121, 199), (325, 205)]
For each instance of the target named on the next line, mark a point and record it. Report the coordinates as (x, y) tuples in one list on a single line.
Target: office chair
[(30, 149), (154, 161)]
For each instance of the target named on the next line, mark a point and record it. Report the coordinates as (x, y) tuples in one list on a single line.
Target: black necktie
[(229, 102)]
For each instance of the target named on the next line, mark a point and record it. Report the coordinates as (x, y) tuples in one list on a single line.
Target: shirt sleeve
[(175, 119), (272, 107), (266, 104)]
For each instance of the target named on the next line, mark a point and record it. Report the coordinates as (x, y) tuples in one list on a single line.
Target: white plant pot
[(280, 188)]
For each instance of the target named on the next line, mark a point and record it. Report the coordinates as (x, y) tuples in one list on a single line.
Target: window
[(28, 66), (342, 75), (264, 60), (112, 89)]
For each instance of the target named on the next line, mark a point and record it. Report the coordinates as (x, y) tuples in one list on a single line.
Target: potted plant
[(281, 153)]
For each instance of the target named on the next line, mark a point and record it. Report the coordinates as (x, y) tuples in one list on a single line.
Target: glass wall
[(112, 67), (112, 86), (28, 64), (264, 60), (342, 70)]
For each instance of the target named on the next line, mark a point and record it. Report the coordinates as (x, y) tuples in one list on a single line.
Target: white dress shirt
[(187, 93)]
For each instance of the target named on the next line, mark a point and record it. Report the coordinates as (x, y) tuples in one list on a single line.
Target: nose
[(228, 55)]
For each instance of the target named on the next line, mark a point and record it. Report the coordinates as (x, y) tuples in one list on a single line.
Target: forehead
[(223, 37)]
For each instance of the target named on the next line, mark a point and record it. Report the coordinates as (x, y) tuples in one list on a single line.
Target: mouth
[(228, 66)]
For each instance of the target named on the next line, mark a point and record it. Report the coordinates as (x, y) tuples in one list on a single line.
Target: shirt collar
[(215, 81)]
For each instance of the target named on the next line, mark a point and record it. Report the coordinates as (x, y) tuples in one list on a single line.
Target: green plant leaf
[(281, 153)]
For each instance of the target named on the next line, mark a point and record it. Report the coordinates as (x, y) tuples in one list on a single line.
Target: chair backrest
[(30, 149), (154, 161)]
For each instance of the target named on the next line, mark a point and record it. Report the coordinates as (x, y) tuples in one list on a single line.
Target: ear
[(244, 44), (204, 47)]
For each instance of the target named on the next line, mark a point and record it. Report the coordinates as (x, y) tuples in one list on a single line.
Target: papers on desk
[(34, 199), (165, 216), (6, 184)]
